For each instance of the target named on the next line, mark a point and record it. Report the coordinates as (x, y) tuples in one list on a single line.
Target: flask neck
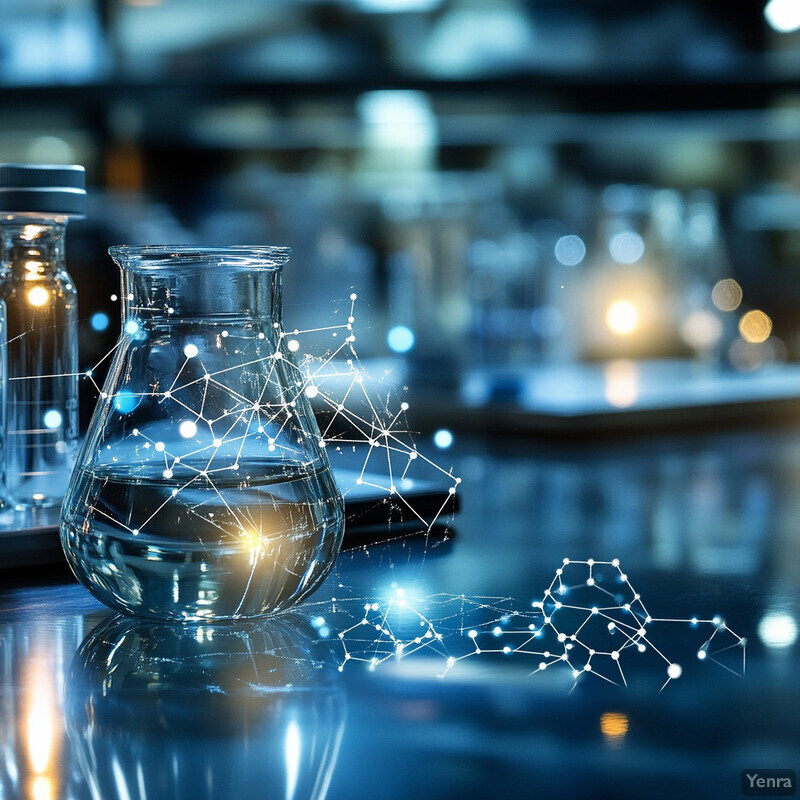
[(32, 245), (204, 293)]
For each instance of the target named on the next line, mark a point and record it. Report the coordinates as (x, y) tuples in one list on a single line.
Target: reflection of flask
[(202, 489), (42, 308), (205, 712)]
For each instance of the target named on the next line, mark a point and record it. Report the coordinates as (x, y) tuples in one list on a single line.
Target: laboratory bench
[(614, 618)]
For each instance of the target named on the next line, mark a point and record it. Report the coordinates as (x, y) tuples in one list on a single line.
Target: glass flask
[(202, 489), (36, 201)]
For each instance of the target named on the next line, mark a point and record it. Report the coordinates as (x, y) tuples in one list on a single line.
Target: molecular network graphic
[(589, 620)]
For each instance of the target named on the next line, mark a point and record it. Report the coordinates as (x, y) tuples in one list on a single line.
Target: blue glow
[(443, 438), (99, 321), (131, 327), (52, 419), (125, 401), (400, 339)]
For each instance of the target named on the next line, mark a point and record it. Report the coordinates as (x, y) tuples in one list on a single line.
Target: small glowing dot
[(224, 334), (472, 634), (38, 296), (260, 335), (701, 654), (190, 351), (674, 671), (404, 406), (354, 296), (168, 394), (167, 473), (590, 581), (615, 655), (217, 442), (443, 438), (278, 355), (160, 447), (114, 298), (135, 531), (130, 296), (755, 327), (187, 429), (99, 321), (641, 648), (311, 391), (174, 492), (615, 562), (131, 327), (52, 419), (293, 345)]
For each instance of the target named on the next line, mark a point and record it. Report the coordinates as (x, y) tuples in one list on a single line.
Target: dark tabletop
[(417, 671)]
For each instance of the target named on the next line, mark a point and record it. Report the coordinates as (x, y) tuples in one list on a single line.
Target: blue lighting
[(52, 419), (125, 401), (131, 327), (400, 339), (99, 321), (443, 438)]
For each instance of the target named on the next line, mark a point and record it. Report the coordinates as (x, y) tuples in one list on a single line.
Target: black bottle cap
[(43, 189)]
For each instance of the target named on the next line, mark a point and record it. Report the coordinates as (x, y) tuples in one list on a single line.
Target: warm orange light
[(755, 327), (622, 318), (42, 788), (614, 726), (38, 296)]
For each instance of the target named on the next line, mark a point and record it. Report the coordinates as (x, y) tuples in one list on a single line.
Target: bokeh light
[(755, 327), (570, 250), (99, 321), (726, 295), (622, 318), (443, 438), (626, 247), (400, 339)]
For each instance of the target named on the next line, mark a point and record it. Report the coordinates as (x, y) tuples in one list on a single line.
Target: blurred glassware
[(203, 489), (204, 711), (42, 309)]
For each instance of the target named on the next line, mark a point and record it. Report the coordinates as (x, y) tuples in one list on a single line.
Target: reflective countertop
[(452, 665)]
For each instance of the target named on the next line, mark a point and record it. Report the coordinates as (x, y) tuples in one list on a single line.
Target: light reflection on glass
[(613, 726), (205, 712), (621, 383)]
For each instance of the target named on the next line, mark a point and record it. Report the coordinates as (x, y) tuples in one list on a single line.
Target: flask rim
[(153, 257)]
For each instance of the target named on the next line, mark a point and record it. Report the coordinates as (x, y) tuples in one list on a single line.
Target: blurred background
[(565, 208)]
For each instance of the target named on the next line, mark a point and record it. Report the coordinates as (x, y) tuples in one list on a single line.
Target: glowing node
[(640, 647), (674, 671), (311, 391), (187, 429), (217, 442), (160, 447), (615, 562), (224, 334), (190, 351), (293, 345), (174, 492), (615, 655), (590, 581), (131, 327), (135, 531), (587, 667), (130, 296), (277, 355), (783, 16), (472, 634), (167, 473), (88, 373), (114, 298), (168, 394), (565, 561)]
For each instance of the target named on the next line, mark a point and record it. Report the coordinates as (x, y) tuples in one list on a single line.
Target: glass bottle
[(202, 489), (42, 308)]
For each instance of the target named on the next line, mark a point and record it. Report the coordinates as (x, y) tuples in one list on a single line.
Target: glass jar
[(202, 489), (36, 202)]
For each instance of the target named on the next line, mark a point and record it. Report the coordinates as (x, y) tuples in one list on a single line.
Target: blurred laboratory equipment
[(36, 201)]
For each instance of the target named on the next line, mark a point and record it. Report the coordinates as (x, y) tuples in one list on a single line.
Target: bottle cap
[(43, 189)]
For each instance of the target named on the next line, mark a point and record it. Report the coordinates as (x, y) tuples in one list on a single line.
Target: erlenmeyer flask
[(202, 489)]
